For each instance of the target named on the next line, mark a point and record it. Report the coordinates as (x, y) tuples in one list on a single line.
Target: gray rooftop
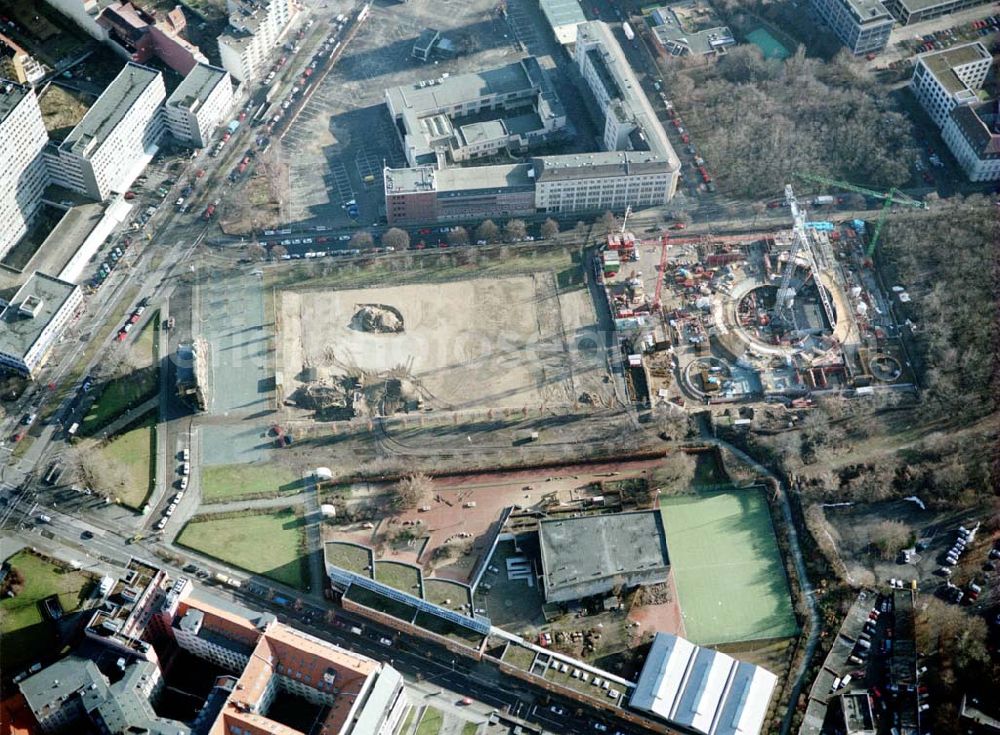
[(60, 680), (410, 180), (504, 176), (942, 64), (197, 86), (691, 27), (868, 11), (562, 12), (110, 108), (616, 544), (11, 94), (629, 88), (18, 331), (597, 165), (124, 707), (444, 93)]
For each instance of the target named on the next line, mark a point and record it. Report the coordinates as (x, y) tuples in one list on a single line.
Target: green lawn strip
[(470, 728), (144, 349), (27, 635), (730, 579), (220, 483), (431, 722), (519, 657), (134, 451), (269, 544), (408, 722), (351, 557), (118, 396)]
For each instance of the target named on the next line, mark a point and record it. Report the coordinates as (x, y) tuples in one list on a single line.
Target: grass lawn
[(27, 635), (408, 722), (470, 728), (144, 347), (402, 577), (440, 590), (351, 557), (269, 544), (135, 453), (519, 657), (431, 722), (730, 579), (117, 396), (220, 483)]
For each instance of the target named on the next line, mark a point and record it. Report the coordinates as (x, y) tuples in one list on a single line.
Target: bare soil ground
[(468, 344)]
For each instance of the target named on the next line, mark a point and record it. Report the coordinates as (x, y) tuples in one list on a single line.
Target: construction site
[(776, 316)]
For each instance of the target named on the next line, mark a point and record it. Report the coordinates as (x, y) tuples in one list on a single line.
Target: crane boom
[(783, 299), (892, 194)]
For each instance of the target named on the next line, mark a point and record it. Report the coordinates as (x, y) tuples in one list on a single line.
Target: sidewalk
[(129, 416)]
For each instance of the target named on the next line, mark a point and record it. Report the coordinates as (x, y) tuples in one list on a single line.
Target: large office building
[(943, 80), (452, 120), (22, 141), (254, 28), (972, 133), (266, 669), (690, 28), (563, 16), (199, 104), (34, 320), (458, 118), (116, 138), (701, 690), (863, 26), (914, 11), (622, 550)]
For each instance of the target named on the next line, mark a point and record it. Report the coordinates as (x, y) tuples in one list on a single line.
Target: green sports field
[(728, 571)]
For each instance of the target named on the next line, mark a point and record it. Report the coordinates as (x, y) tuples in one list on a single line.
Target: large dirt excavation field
[(482, 343)]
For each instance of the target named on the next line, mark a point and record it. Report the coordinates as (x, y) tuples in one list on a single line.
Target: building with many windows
[(914, 11), (117, 137), (863, 26), (18, 64), (254, 28), (22, 140), (453, 120), (972, 133), (943, 80), (199, 105), (34, 320)]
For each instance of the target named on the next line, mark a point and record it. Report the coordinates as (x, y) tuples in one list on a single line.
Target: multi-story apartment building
[(116, 138), (863, 26), (914, 11), (972, 132), (199, 104), (254, 28), (140, 35), (943, 80), (34, 320), (22, 141)]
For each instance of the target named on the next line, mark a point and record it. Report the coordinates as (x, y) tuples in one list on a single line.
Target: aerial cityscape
[(487, 367)]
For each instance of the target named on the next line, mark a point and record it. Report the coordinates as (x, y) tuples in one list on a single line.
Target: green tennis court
[(730, 579)]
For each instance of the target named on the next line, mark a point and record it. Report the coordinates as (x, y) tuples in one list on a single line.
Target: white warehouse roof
[(701, 689)]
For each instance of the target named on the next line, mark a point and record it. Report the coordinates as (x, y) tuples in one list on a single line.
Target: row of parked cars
[(184, 470), (132, 320)]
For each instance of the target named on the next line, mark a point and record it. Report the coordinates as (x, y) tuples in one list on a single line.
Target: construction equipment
[(893, 196), (661, 275)]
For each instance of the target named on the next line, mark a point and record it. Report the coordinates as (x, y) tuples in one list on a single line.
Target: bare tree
[(891, 537), (256, 251), (607, 223), (278, 251), (458, 236), (550, 228), (362, 240), (396, 239), (488, 231), (412, 491), (674, 473), (272, 166), (515, 230)]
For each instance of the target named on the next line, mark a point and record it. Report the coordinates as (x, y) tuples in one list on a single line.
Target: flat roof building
[(254, 28), (55, 694), (115, 139), (942, 80), (690, 28), (34, 320), (863, 26), (17, 64), (701, 690), (915, 11), (563, 17), (23, 138), (622, 549), (423, 47), (199, 104)]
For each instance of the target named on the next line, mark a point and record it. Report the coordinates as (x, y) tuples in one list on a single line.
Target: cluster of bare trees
[(412, 491), (760, 121)]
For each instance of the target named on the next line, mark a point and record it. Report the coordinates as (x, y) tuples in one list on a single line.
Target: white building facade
[(254, 29), (972, 133), (23, 176), (107, 149), (942, 80), (199, 105), (34, 320)]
